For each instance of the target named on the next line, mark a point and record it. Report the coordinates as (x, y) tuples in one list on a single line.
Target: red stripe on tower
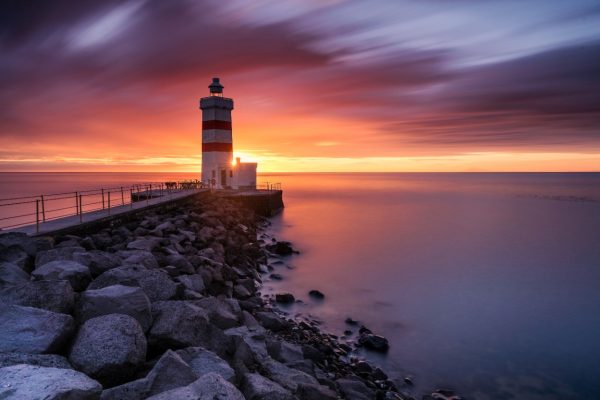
[(216, 124), (217, 147)]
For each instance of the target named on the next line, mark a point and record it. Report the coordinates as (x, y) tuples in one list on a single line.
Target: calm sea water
[(485, 283)]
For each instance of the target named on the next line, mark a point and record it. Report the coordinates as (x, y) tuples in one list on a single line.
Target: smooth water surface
[(485, 283)]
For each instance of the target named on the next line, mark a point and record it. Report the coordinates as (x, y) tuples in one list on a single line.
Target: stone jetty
[(165, 305)]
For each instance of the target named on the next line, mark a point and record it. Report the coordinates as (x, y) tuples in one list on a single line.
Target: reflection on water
[(486, 283)]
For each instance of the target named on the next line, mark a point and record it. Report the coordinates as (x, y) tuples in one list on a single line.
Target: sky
[(318, 85)]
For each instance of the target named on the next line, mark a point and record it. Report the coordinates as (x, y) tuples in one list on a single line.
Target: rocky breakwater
[(164, 306)]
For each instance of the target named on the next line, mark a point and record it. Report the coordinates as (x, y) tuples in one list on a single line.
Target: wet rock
[(41, 360), (56, 296), (350, 321), (178, 324), (276, 277), (281, 248), (284, 298), (257, 387), (209, 387), (30, 382), (374, 342), (156, 284), (354, 389), (57, 254), (11, 274), (307, 391), (283, 351), (116, 299), (202, 362), (316, 294), (170, 372), (77, 274), (271, 321), (287, 377), (33, 330), (109, 348)]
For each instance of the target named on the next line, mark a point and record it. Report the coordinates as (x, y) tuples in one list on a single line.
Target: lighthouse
[(218, 169)]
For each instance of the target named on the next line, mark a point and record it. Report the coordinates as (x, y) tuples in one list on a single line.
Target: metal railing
[(270, 186), (28, 210)]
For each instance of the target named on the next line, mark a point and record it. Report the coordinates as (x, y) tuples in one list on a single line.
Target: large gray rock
[(56, 254), (192, 282), (77, 274), (203, 361), (178, 324), (20, 240), (116, 299), (98, 261), (141, 257), (284, 352), (41, 360), (170, 372), (249, 347), (209, 387), (11, 274), (57, 296), (30, 382), (307, 391), (33, 330), (181, 264), (353, 389), (224, 313), (109, 348), (272, 321), (257, 387), (16, 255), (144, 243), (156, 284), (287, 377)]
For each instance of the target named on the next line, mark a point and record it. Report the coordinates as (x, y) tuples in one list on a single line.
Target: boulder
[(57, 296), (272, 321), (249, 347), (11, 274), (33, 330), (316, 294), (257, 387), (168, 373), (354, 389), (283, 351), (224, 313), (77, 274), (109, 348), (17, 256), (202, 362), (209, 387), (20, 240), (192, 282), (139, 257), (155, 283), (307, 391), (181, 264), (116, 299), (284, 298), (374, 342), (178, 324), (41, 360), (98, 261), (287, 377), (281, 248), (144, 243), (31, 382), (56, 254)]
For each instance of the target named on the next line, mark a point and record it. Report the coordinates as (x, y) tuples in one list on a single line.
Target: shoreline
[(185, 283)]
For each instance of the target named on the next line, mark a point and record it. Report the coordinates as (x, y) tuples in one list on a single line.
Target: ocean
[(488, 284)]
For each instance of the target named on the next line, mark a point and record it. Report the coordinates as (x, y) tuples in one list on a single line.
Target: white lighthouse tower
[(218, 169)]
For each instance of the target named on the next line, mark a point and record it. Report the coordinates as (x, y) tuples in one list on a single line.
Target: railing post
[(77, 202), (80, 210), (148, 195), (43, 209), (122, 197), (37, 215), (102, 198), (131, 197), (109, 202)]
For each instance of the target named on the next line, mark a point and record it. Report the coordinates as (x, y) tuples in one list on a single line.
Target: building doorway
[(223, 178)]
